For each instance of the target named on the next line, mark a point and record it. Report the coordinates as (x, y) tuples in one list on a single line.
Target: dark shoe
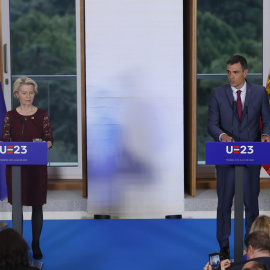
[(224, 253), (37, 254)]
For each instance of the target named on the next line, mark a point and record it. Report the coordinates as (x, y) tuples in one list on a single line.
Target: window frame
[(54, 173)]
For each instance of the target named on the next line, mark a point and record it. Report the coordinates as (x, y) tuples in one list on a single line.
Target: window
[(45, 45), (224, 29)]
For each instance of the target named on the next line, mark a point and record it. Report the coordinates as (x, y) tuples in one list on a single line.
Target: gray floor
[(206, 200), (72, 200)]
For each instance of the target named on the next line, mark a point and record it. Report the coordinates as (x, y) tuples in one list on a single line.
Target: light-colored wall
[(134, 84)]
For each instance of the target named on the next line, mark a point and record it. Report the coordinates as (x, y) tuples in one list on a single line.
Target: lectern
[(238, 154), (18, 154)]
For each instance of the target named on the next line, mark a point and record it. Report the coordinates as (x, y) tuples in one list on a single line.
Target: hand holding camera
[(215, 263)]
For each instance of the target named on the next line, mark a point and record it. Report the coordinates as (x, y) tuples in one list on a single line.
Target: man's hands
[(225, 138), (223, 265), (207, 266)]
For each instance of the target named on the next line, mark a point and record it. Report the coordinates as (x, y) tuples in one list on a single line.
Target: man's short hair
[(238, 59), (258, 240), (255, 266)]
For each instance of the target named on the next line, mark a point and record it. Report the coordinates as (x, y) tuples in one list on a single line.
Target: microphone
[(24, 119), (247, 122), (232, 116), (8, 138)]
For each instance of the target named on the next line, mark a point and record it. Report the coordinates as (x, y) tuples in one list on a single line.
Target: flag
[(268, 85), (3, 185), (267, 167)]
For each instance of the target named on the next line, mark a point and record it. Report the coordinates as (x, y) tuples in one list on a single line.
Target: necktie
[(239, 105)]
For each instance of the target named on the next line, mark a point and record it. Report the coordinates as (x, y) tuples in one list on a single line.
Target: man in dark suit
[(234, 116), (257, 246)]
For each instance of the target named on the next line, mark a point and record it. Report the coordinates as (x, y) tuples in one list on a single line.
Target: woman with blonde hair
[(23, 124), (261, 223)]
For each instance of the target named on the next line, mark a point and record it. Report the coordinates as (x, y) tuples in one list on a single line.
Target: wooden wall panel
[(190, 93)]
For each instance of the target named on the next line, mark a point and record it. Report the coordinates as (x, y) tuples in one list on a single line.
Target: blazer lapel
[(230, 95), (231, 100)]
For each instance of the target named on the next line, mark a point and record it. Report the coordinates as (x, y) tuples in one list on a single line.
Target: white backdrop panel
[(134, 84)]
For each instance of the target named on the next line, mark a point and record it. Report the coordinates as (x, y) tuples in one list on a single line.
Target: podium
[(238, 154), (18, 154)]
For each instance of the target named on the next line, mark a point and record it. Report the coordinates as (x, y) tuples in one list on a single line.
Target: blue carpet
[(126, 244)]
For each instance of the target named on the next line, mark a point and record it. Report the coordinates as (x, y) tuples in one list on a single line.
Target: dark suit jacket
[(223, 117), (239, 266)]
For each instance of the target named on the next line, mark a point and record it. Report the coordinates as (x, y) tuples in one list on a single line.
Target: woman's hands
[(49, 144)]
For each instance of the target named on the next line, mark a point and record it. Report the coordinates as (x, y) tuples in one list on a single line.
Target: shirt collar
[(243, 89)]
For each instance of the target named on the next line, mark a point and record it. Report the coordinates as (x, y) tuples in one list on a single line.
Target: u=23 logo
[(13, 149), (239, 149)]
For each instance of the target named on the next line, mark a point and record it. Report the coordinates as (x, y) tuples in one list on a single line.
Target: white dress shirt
[(242, 96)]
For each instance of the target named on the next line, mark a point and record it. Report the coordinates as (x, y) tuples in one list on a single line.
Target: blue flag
[(3, 185)]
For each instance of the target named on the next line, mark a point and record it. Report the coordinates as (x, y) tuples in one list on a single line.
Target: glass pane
[(43, 47), (224, 28)]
